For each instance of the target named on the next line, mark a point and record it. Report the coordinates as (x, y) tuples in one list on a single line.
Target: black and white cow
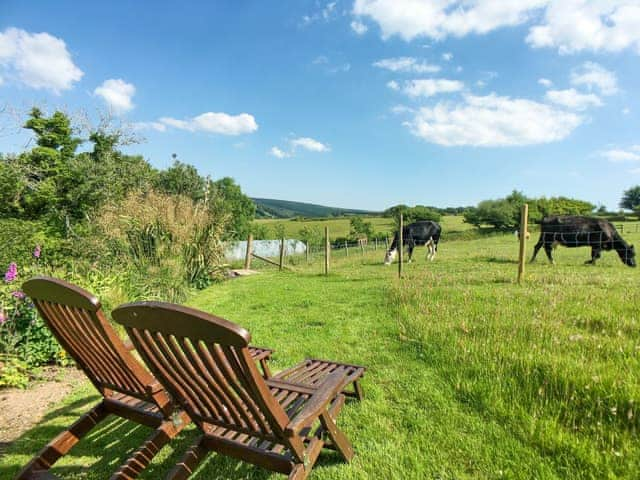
[(575, 231), (416, 234)]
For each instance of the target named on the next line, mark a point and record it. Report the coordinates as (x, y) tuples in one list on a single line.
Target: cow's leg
[(548, 248), (596, 253), (432, 250), (410, 248), (536, 249)]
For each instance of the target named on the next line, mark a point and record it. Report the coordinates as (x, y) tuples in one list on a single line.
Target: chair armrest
[(326, 392)]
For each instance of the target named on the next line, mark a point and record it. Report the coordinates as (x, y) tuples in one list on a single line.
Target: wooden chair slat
[(246, 403), (199, 396), (226, 406)]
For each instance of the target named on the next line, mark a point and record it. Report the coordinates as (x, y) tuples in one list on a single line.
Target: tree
[(226, 198), (311, 234), (181, 179), (631, 198), (413, 214), (360, 228)]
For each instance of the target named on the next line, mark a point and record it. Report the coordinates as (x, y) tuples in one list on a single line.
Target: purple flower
[(18, 294), (37, 251), (12, 273), (3, 317)]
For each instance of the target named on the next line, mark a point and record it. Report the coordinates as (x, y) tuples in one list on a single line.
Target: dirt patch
[(22, 409)]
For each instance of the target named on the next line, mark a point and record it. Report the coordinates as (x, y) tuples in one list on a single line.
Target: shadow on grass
[(107, 446)]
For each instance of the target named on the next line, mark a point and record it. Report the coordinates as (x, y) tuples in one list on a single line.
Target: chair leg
[(358, 390), (60, 446), (189, 462), (338, 439), (299, 473), (143, 456)]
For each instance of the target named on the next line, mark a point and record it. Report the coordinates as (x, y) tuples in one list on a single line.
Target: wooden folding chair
[(205, 363), (75, 318)]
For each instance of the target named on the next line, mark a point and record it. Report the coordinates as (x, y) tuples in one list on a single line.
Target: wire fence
[(326, 250)]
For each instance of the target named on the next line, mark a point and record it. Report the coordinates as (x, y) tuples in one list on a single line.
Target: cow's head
[(390, 256), (630, 256)]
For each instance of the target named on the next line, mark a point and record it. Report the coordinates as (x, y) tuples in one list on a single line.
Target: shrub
[(25, 340), (168, 243)]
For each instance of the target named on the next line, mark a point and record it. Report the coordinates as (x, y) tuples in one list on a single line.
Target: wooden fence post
[(376, 244), (327, 250), (307, 251), (247, 258), (346, 247), (281, 253), (362, 247), (524, 222), (400, 248)]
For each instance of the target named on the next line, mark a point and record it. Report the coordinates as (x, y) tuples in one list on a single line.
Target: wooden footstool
[(262, 355), (311, 372)]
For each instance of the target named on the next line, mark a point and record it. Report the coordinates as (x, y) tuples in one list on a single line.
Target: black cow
[(575, 231), (416, 234)]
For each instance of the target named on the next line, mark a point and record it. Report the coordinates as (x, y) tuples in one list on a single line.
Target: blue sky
[(353, 103)]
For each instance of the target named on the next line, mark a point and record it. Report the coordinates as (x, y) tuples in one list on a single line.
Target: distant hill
[(270, 208)]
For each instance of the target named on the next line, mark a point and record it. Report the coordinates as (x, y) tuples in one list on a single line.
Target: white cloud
[(157, 126), (439, 18), (447, 57), (626, 111), (213, 122), (492, 121), (576, 25), (428, 87), (330, 67), (406, 64), (117, 94), (545, 82), (359, 27), (276, 152), (326, 13), (393, 85), (573, 99), (567, 25), (306, 143), (310, 144), (37, 60), (593, 75), (617, 155)]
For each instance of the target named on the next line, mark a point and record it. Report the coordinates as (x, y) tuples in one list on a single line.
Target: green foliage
[(413, 214), (260, 231), (312, 235), (631, 199), (13, 372), (360, 229), (25, 340), (279, 231), (504, 213), (226, 198), (181, 179)]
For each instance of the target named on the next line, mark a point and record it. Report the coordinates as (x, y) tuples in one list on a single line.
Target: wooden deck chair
[(205, 363), (130, 391)]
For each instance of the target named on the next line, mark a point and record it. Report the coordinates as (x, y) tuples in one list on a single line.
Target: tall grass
[(170, 243)]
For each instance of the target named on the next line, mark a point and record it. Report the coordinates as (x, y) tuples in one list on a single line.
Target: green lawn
[(471, 376)]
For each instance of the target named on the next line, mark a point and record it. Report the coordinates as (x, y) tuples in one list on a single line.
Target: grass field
[(471, 376), (339, 227)]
